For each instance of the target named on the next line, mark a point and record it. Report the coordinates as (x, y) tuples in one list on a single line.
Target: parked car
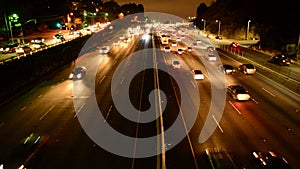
[(21, 49), (247, 68), (198, 75), (227, 69), (281, 60), (238, 92), (78, 73), (269, 160)]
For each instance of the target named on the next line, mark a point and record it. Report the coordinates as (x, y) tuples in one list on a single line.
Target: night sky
[(180, 8)]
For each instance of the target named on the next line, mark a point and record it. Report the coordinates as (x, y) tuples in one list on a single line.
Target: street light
[(204, 24), (34, 20), (219, 30), (248, 27)]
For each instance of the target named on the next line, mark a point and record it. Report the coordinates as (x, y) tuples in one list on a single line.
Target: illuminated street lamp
[(248, 27), (204, 24), (219, 30)]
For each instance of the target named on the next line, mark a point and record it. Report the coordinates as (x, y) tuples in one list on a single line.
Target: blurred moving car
[(210, 48), (176, 64), (78, 73), (38, 45), (238, 92), (220, 159), (219, 37), (198, 75), (234, 44), (104, 49), (211, 57), (59, 37), (247, 68), (27, 150), (180, 51), (198, 41), (174, 43), (227, 69), (270, 160), (23, 49), (189, 49), (167, 49), (281, 60), (9, 48), (38, 40)]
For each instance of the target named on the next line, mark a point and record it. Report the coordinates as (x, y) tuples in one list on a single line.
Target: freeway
[(269, 121)]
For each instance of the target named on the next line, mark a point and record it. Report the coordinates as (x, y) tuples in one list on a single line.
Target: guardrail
[(288, 77)]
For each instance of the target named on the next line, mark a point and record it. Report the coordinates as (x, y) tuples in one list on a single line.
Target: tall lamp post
[(219, 30), (248, 27), (204, 24), (34, 20)]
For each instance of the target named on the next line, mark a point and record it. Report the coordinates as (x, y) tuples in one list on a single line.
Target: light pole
[(219, 30), (204, 24), (34, 20), (248, 27)]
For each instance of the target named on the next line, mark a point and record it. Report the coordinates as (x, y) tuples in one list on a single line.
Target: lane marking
[(102, 80), (193, 84), (107, 114), (79, 110), (122, 80), (51, 108), (217, 123), (23, 108), (254, 100), (269, 92), (234, 107)]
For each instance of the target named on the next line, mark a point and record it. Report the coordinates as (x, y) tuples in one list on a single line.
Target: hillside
[(275, 23)]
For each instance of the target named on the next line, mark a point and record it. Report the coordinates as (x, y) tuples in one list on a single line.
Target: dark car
[(38, 40), (227, 69), (220, 159), (59, 37), (281, 60), (238, 92), (270, 160), (78, 73), (23, 49)]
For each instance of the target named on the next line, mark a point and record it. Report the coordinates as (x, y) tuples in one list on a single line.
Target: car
[(174, 43), (281, 60), (59, 37), (234, 44), (117, 43), (247, 68), (167, 49), (211, 57), (23, 49), (198, 41), (198, 75), (104, 49), (28, 149), (189, 49), (38, 40), (219, 37), (270, 160), (38, 45), (9, 48), (180, 51), (178, 39), (78, 73), (227, 69), (176, 64), (210, 48), (220, 159), (238, 92)]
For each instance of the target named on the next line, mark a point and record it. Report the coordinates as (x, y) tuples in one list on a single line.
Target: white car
[(211, 57), (167, 49), (104, 49), (238, 92), (198, 41), (198, 75), (174, 44), (176, 64)]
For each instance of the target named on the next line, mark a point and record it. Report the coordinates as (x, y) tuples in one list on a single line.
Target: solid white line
[(254, 100), (193, 84), (234, 107), (23, 108), (122, 80), (109, 110), (269, 92), (102, 79), (51, 108), (79, 110), (218, 123)]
